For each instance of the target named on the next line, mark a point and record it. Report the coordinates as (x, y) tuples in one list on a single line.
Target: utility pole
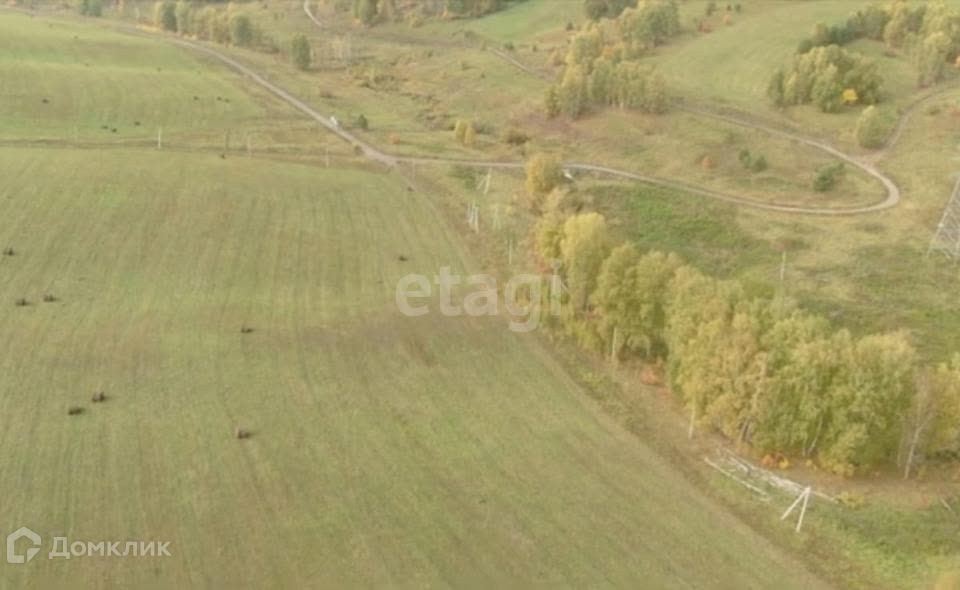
[(614, 345), (803, 497), (556, 289), (946, 240)]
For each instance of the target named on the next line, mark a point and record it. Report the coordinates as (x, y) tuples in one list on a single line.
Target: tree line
[(761, 371), (90, 7), (597, 9), (210, 23), (822, 75), (371, 12), (601, 67), (224, 26), (929, 32)]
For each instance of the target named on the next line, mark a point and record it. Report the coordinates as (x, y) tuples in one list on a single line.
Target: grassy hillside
[(734, 63), (385, 450), (66, 81)]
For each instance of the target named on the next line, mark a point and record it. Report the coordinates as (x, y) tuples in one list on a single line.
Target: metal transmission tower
[(946, 240)]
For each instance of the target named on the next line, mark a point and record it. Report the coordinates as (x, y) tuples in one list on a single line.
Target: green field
[(734, 63), (91, 79), (385, 451), (526, 21)]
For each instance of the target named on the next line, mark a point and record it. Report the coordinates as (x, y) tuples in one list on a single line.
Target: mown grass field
[(385, 451), (83, 84), (524, 21), (67, 81), (734, 63)]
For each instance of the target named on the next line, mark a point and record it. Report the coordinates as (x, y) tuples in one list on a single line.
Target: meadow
[(204, 290), (70, 82)]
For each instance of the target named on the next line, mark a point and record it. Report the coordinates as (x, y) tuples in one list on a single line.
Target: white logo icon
[(12, 538)]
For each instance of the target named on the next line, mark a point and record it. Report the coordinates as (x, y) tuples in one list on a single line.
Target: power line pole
[(803, 497), (614, 345), (946, 240), (475, 217)]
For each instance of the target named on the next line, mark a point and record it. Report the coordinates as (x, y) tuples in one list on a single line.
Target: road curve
[(893, 191), (391, 160)]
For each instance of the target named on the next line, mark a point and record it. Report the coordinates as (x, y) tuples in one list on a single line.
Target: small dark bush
[(514, 136), (827, 177), (74, 410)]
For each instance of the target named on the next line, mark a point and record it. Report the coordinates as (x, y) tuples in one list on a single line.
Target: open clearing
[(65, 81), (384, 450)]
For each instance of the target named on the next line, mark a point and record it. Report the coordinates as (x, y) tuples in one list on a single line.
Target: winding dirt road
[(379, 155)]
